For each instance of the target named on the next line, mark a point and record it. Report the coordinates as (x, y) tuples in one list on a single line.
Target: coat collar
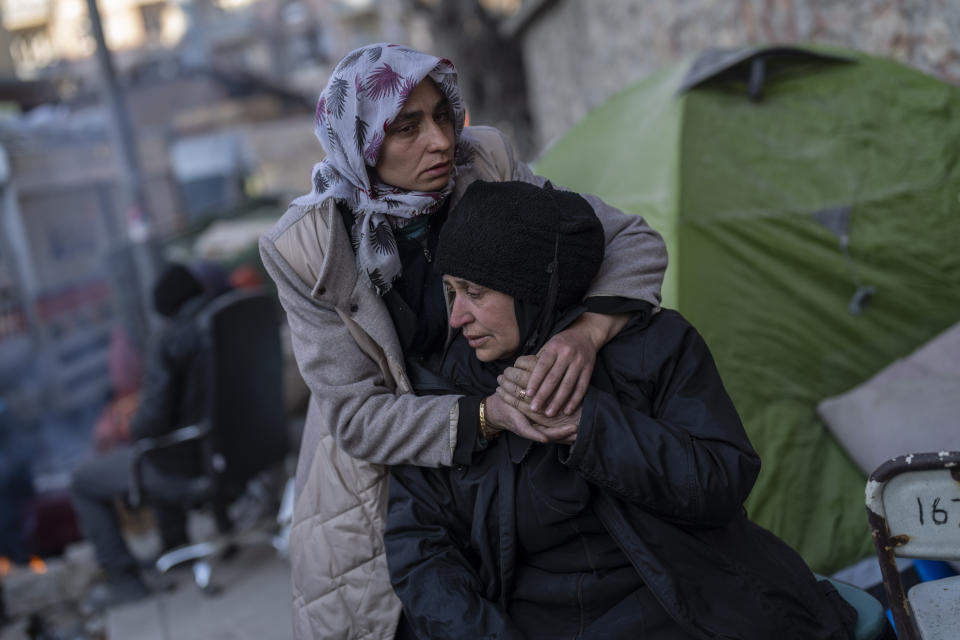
[(338, 284)]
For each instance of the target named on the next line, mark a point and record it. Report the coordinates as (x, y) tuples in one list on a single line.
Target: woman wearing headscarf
[(352, 261), (635, 530)]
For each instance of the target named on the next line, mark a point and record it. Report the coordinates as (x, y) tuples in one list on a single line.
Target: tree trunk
[(490, 67)]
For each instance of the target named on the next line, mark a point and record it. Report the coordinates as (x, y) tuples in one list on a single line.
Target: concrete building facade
[(579, 52)]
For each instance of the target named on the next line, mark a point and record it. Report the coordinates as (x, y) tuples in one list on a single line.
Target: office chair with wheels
[(913, 506), (244, 431)]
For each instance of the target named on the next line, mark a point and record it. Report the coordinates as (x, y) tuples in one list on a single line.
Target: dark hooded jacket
[(175, 373), (661, 461)]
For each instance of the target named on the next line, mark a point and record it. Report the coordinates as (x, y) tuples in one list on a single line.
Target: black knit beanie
[(175, 285), (507, 235)]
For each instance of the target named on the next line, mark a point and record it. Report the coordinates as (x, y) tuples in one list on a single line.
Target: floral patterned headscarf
[(365, 93)]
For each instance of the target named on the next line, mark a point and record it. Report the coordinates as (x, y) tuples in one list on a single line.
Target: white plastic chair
[(913, 505)]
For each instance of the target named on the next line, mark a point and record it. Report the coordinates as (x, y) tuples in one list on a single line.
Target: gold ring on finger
[(523, 395)]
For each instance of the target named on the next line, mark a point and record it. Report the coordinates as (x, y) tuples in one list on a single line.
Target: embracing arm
[(359, 407), (635, 259), (635, 256), (442, 593), (669, 439)]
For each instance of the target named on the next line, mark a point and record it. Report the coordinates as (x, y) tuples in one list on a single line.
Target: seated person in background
[(172, 396), (632, 528)]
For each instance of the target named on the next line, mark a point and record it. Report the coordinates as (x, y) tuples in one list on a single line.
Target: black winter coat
[(173, 394), (668, 466)]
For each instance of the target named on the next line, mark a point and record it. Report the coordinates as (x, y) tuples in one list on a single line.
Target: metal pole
[(137, 211)]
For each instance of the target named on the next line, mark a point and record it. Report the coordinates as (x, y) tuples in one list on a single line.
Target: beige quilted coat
[(362, 415)]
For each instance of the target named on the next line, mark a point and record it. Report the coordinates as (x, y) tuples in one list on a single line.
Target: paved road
[(254, 604)]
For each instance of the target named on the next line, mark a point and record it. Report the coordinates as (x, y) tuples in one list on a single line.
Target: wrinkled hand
[(561, 428), (511, 390), (562, 372), (565, 363), (503, 415)]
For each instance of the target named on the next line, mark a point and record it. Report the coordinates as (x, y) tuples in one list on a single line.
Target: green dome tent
[(809, 201)]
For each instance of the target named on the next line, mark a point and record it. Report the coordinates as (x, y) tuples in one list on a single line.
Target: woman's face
[(486, 317), (417, 151)]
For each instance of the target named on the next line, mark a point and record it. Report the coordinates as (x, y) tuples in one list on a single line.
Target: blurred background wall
[(579, 53), (531, 66)]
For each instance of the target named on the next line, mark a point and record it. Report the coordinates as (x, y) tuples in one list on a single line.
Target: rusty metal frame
[(887, 544)]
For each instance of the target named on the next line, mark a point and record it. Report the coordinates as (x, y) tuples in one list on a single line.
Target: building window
[(152, 16), (31, 48)]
